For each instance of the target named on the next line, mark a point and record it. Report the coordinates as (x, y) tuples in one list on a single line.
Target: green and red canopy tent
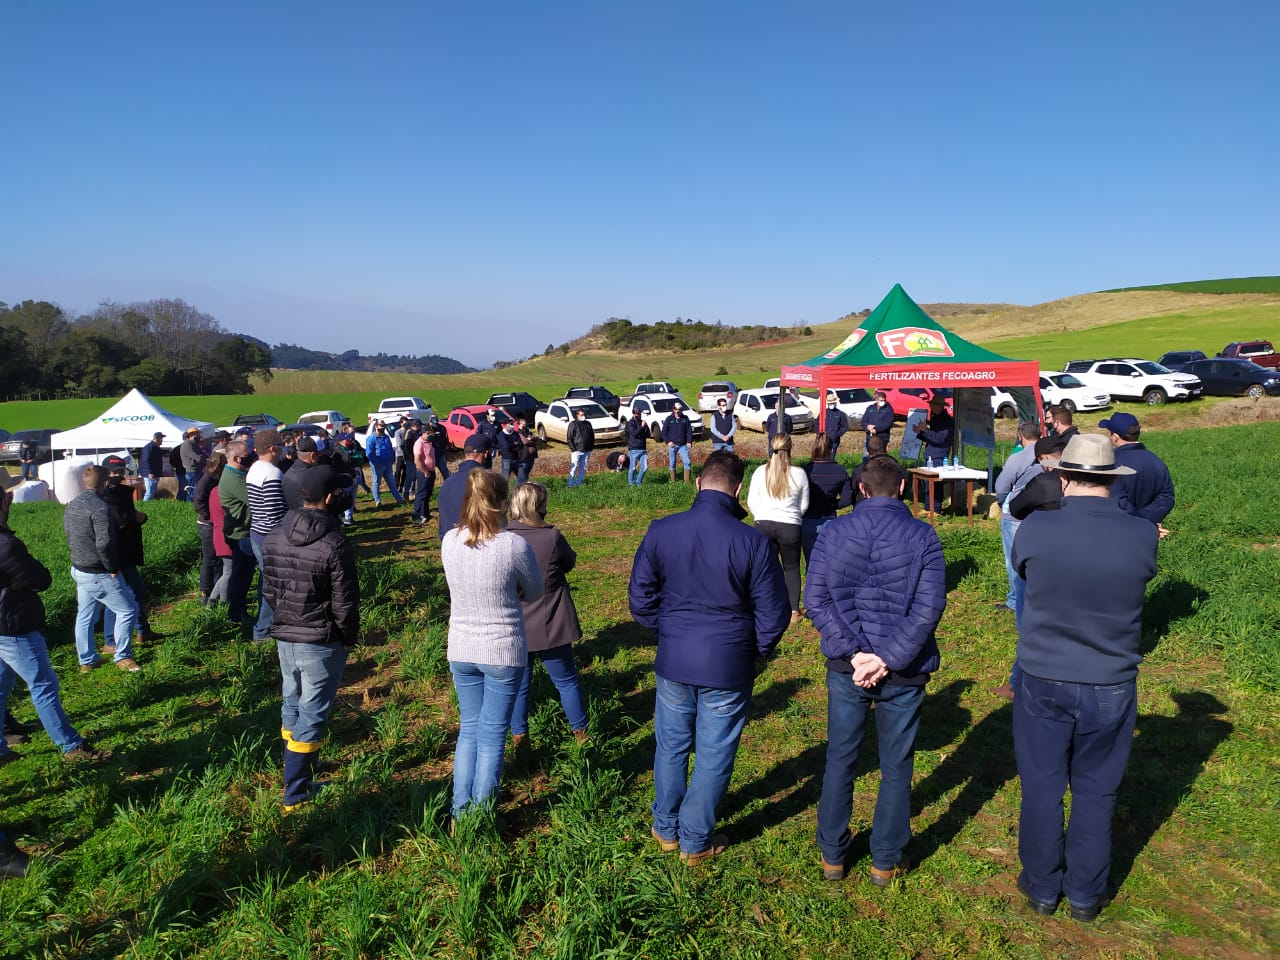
[(899, 345)]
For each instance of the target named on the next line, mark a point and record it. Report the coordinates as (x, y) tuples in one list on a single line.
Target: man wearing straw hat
[(1076, 704)]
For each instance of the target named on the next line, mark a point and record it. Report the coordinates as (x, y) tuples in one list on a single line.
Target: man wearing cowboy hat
[(1076, 704)]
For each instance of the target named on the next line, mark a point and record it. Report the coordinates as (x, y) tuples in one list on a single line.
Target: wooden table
[(952, 475)]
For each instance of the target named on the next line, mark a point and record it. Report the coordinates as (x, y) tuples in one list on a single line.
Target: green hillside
[(1230, 285)]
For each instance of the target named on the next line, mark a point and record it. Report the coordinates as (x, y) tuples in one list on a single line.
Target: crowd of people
[(717, 593)]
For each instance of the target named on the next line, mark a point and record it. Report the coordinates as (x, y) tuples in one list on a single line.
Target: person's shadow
[(1168, 754)]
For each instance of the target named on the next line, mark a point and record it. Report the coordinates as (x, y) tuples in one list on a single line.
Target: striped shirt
[(267, 506)]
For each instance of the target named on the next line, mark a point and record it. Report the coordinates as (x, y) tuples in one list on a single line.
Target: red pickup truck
[(1260, 352)]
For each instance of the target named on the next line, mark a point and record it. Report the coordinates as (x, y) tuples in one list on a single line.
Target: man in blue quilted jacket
[(876, 590)]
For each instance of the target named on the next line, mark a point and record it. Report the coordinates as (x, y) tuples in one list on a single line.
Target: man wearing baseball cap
[(152, 461), (128, 520), (1087, 565), (1148, 491)]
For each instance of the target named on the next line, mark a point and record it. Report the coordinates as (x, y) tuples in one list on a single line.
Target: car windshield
[(715, 388), (666, 404), (594, 410), (770, 400), (1152, 368), (853, 396), (1066, 381)]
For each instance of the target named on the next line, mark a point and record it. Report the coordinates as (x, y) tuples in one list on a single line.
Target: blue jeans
[(637, 466), (578, 466), (1009, 527), (29, 470), (810, 527), (486, 697), (1073, 735), (681, 451), (311, 674), (564, 674), (242, 566), (383, 471), (706, 721), (112, 592), (150, 484), (261, 628), (133, 577), (897, 720), (422, 496), (27, 656), (189, 481), (523, 469)]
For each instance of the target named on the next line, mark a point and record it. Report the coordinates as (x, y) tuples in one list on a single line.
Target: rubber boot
[(686, 474), (299, 773), (671, 475)]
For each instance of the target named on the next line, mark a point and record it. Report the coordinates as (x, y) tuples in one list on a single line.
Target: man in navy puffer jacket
[(876, 590), (711, 588)]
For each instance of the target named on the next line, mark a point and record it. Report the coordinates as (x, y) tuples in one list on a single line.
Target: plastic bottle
[(930, 463)]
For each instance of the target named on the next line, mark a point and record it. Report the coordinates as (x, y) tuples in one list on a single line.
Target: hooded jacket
[(309, 578)]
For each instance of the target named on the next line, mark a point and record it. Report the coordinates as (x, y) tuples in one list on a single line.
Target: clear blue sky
[(481, 179)]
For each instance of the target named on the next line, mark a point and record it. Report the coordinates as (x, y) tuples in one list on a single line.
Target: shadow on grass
[(1168, 755), (1171, 601)]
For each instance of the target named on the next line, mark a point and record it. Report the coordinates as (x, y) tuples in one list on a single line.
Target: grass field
[(1233, 285), (1136, 324), (176, 847)]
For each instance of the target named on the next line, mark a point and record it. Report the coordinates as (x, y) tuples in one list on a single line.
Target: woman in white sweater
[(777, 498), (490, 573)]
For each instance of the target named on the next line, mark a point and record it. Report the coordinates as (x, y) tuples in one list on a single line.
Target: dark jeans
[(243, 564), (210, 564), (265, 614), (810, 527), (786, 537), (422, 499), (897, 712), (523, 469), (1073, 735)]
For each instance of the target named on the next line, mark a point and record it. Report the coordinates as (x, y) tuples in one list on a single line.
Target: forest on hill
[(288, 356)]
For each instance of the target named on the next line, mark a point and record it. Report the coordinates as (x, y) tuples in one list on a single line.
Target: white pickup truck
[(392, 408), (656, 407)]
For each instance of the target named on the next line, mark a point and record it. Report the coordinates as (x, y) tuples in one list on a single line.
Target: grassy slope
[(176, 847), (1138, 324), (1231, 285)]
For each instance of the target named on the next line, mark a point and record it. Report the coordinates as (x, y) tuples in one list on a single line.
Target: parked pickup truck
[(1260, 352), (392, 408), (519, 405), (656, 407), (655, 386)]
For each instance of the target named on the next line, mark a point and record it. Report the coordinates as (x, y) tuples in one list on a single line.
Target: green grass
[(1148, 337), (176, 846), (1231, 285)]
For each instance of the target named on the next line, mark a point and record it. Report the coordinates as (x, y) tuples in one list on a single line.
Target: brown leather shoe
[(665, 845), (108, 649), (128, 665), (90, 667), (884, 878), (718, 844), (85, 754), (832, 871), (1004, 692)]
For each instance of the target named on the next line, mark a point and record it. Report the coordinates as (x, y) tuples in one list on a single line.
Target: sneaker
[(420, 520), (90, 667), (128, 664), (719, 844), (665, 845), (85, 754), (884, 878), (108, 649)]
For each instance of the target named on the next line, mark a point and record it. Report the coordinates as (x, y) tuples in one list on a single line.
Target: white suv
[(1135, 379)]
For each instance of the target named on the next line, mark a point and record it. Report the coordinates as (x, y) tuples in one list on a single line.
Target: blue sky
[(480, 180)]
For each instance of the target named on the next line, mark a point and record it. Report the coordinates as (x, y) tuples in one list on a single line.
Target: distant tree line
[(159, 346), (682, 334), (288, 356)]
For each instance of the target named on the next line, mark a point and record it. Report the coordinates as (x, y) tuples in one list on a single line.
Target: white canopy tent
[(130, 423)]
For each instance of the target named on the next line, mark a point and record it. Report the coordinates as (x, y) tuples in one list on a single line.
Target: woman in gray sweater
[(551, 621), (489, 571)]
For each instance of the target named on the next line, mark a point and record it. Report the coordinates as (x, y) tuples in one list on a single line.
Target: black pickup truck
[(518, 405)]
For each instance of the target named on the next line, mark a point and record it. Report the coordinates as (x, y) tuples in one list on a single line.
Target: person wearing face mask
[(128, 521), (877, 419), (835, 425), (509, 448), (382, 458), (489, 429), (582, 440), (723, 427), (638, 434)]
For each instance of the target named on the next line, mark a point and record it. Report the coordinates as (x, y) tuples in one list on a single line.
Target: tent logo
[(906, 342), (851, 340), (140, 418)]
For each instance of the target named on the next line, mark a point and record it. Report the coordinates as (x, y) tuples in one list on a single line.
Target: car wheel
[(1069, 406), (1007, 412), (1154, 397), (1255, 391), (542, 433)]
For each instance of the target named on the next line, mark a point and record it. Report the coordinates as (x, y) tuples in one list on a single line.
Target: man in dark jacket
[(27, 457), (677, 433), (877, 419), (309, 579), (937, 432), (1043, 492), (1087, 566), (152, 463), (95, 567), (772, 428), (835, 425), (1148, 491), (723, 427), (637, 448), (1060, 422), (23, 652), (712, 590), (128, 520), (449, 502), (581, 436), (510, 447), (875, 591), (489, 429)]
